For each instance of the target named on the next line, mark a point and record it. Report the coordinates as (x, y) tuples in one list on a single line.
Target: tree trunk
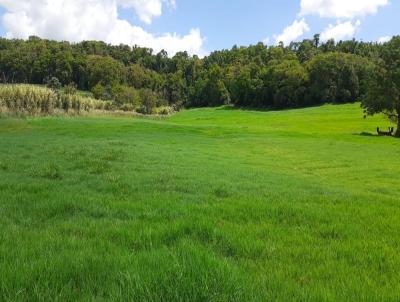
[(397, 134)]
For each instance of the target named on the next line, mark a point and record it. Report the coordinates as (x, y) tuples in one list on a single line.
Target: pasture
[(207, 205)]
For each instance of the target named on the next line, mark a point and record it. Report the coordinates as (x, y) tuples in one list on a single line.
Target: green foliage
[(383, 93), (53, 83), (211, 89), (304, 73), (148, 101), (336, 77), (105, 71), (126, 96), (176, 88), (98, 91), (287, 83), (305, 50), (140, 77), (245, 85)]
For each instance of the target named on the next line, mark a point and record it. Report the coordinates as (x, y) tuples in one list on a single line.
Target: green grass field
[(207, 205)]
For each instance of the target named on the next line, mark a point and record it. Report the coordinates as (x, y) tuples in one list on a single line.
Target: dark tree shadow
[(366, 134), (269, 109)]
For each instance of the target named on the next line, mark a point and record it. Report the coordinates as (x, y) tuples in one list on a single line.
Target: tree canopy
[(383, 92), (302, 74)]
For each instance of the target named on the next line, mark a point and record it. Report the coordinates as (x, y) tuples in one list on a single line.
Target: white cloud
[(146, 9), (123, 32), (266, 40), (344, 11), (78, 20), (384, 39), (293, 32), (341, 8), (340, 31)]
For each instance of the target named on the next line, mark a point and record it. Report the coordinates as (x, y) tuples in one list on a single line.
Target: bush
[(126, 97), (127, 107), (165, 110), (101, 92), (53, 83), (148, 101)]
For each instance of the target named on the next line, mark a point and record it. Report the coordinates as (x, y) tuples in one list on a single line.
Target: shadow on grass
[(366, 134), (249, 108), (270, 109)]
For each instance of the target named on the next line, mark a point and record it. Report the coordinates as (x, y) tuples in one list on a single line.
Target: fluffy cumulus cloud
[(78, 20), (344, 11), (293, 32), (384, 39), (341, 8), (146, 9), (340, 31)]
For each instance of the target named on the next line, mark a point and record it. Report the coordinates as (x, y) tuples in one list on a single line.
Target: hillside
[(207, 205)]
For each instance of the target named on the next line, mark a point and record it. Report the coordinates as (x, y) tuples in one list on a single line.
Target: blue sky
[(244, 22), (225, 24), (2, 29), (200, 25)]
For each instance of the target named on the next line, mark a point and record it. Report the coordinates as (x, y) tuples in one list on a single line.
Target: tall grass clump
[(77, 103), (37, 100)]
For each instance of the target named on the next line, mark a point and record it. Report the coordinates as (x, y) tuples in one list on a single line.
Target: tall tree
[(383, 95)]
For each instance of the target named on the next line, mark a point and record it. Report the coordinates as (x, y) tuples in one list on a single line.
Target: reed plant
[(37, 100)]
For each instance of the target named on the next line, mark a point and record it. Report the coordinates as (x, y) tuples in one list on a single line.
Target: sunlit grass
[(208, 205)]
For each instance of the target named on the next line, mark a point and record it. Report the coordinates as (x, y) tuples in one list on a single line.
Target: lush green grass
[(208, 205)]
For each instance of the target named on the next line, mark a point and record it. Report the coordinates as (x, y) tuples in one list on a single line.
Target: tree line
[(301, 74)]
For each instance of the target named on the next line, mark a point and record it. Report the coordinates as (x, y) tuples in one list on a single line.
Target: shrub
[(98, 91), (127, 107), (165, 110), (53, 83), (148, 100), (126, 97), (101, 92)]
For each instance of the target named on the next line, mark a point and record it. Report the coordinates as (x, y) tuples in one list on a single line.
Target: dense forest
[(301, 74)]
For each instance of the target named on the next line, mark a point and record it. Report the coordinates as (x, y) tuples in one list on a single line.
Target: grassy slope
[(209, 205)]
